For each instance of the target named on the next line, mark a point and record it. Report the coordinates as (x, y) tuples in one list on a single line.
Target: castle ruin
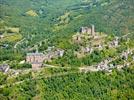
[(85, 32), (88, 30)]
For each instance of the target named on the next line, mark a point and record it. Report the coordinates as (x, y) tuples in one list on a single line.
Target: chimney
[(93, 30)]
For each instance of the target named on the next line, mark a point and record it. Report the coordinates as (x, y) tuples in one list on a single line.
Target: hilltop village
[(37, 59), (66, 50), (89, 40), (94, 40)]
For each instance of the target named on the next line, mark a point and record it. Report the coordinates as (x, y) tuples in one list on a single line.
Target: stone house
[(103, 65), (4, 68), (87, 49), (54, 54), (77, 37), (125, 54), (35, 59), (114, 43), (60, 53)]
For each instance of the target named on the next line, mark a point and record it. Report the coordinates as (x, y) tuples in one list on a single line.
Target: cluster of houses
[(94, 40), (106, 65), (114, 43), (125, 54), (87, 49), (5, 68), (36, 59)]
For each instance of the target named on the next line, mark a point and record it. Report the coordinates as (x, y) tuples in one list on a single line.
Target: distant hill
[(114, 16)]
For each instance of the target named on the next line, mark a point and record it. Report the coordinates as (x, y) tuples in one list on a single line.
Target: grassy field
[(13, 37)]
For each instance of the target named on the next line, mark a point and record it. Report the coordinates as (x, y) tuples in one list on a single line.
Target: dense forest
[(74, 86)]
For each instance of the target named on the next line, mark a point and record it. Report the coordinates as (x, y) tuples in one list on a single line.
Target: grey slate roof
[(35, 54), (4, 68)]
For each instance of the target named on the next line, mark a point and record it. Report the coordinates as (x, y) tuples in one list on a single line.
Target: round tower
[(93, 30)]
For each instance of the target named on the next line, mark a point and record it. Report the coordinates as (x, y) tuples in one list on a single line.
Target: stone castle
[(88, 30), (84, 32)]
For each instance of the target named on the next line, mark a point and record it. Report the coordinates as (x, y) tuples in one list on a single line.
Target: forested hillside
[(108, 16), (74, 86), (52, 22), (38, 26)]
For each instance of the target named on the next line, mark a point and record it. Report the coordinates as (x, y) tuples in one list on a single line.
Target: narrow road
[(19, 42), (53, 66)]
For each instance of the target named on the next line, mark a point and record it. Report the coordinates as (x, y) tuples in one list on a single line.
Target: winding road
[(19, 42)]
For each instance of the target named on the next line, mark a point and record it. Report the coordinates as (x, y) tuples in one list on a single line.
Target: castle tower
[(83, 30), (93, 30), (36, 48)]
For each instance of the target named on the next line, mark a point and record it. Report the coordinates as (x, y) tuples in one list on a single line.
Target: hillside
[(66, 50), (112, 17), (72, 86)]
